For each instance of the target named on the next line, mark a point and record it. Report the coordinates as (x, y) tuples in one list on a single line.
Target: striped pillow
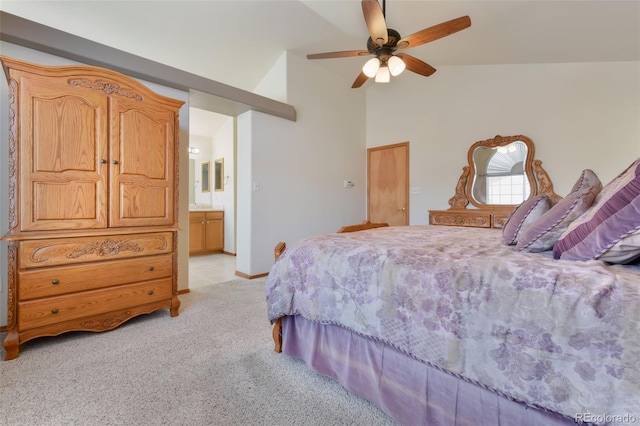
[(614, 215)]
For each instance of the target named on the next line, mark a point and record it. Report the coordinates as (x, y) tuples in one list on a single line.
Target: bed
[(509, 332), (441, 325)]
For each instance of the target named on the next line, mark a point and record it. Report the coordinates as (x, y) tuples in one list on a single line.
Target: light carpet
[(212, 365)]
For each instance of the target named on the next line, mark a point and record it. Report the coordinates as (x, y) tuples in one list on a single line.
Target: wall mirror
[(218, 172), (501, 174), (205, 178), (501, 171)]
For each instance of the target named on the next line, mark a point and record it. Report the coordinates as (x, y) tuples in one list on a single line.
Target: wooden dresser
[(93, 200), (510, 161)]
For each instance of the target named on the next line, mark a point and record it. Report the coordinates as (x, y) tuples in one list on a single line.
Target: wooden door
[(63, 170), (388, 184), (142, 163)]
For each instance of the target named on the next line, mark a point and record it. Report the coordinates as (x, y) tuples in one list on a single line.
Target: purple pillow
[(615, 215), (523, 216), (587, 179), (542, 234)]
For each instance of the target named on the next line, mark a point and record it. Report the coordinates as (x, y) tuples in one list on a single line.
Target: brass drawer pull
[(54, 311), (150, 268), (55, 282), (150, 292)]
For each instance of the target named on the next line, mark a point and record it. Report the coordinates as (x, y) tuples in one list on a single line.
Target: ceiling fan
[(384, 42)]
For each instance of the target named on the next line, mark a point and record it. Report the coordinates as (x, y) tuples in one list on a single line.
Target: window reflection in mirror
[(500, 174)]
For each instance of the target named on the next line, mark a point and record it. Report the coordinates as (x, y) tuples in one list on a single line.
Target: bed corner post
[(277, 324), (277, 335), (279, 249)]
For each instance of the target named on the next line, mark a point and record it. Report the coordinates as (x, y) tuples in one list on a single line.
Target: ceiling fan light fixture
[(396, 65), (383, 75), (371, 67)]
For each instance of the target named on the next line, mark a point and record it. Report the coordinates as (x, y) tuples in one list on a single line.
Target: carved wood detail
[(459, 200), (12, 293), (108, 88), (13, 154), (107, 323), (544, 182), (461, 220), (105, 248)]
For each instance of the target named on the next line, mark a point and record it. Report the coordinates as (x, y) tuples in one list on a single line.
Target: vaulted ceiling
[(236, 42)]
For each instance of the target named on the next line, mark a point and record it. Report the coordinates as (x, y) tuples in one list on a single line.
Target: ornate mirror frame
[(491, 215), (497, 142)]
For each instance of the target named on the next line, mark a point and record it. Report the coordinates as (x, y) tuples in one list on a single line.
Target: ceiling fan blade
[(344, 54), (374, 19), (362, 77), (433, 33), (416, 65)]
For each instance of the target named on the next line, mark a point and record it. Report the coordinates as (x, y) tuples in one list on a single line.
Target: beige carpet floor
[(212, 365)]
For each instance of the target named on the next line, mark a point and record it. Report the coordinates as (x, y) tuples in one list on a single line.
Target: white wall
[(290, 174), (224, 147), (579, 116)]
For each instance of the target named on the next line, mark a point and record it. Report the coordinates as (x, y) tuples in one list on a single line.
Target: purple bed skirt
[(406, 389)]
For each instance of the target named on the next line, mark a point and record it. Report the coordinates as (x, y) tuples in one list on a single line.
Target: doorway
[(388, 184)]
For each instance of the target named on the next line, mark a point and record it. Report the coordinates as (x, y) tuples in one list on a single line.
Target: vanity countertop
[(205, 208)]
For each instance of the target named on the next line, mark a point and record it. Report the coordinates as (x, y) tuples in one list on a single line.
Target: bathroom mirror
[(218, 172), (205, 178)]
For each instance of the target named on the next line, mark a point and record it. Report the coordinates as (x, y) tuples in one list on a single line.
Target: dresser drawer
[(67, 251), (41, 312), (57, 280), (499, 219), (460, 218)]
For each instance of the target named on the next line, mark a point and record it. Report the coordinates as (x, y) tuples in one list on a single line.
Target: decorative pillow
[(543, 233), (523, 216), (615, 215), (587, 179), (624, 251)]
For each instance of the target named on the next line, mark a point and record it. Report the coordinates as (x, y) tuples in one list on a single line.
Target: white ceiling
[(236, 42)]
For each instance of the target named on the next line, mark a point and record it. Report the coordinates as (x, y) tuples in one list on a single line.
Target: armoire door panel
[(142, 143), (60, 142), (144, 154), (139, 201), (62, 174), (65, 201)]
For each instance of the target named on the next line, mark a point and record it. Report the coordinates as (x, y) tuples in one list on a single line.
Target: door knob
[(402, 209)]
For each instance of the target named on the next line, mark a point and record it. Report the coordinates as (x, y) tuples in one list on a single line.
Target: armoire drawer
[(51, 310), (58, 280), (67, 251)]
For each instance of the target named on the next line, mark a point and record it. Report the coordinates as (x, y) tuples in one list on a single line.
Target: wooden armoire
[(93, 213)]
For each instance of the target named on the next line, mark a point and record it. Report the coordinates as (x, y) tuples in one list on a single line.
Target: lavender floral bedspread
[(557, 334)]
